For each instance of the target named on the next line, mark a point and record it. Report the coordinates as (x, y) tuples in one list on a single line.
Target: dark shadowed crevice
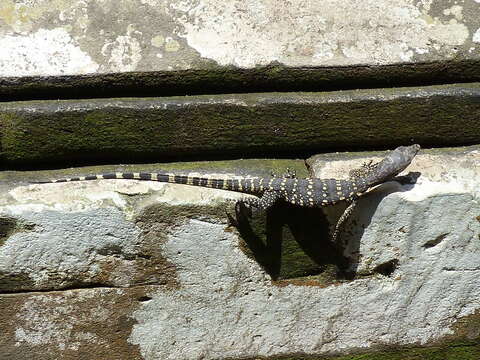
[(230, 79), (144, 298), (387, 268), (434, 242), (293, 245), (7, 227)]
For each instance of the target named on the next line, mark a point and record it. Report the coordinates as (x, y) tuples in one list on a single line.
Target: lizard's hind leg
[(267, 200)]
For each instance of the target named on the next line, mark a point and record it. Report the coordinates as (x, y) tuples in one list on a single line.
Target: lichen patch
[(91, 322), (338, 32), (45, 51), (476, 36), (125, 52)]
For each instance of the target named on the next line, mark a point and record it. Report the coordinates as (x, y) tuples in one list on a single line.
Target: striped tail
[(251, 185)]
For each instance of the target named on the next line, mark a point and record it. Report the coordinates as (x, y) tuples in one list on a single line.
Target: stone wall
[(127, 269)]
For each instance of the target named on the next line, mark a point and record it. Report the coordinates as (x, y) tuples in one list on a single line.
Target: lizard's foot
[(242, 211), (364, 170), (288, 174)]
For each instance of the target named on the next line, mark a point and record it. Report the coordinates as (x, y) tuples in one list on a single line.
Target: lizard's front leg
[(341, 222)]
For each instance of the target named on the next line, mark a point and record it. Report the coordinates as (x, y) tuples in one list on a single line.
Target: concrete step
[(236, 125)]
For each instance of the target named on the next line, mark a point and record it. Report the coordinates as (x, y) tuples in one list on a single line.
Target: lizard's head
[(402, 156), (394, 163)]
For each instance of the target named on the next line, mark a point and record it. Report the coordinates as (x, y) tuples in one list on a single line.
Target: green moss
[(11, 133), (455, 351), (250, 167), (292, 243), (15, 282), (7, 227), (176, 127)]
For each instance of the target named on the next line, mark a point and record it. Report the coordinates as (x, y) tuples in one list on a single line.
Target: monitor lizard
[(308, 192)]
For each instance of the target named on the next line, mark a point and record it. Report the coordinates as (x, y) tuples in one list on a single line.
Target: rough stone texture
[(87, 48), (85, 236), (446, 196), (414, 252), (80, 37), (78, 131), (72, 324)]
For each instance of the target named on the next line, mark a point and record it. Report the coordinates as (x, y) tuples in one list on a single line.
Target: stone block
[(190, 46), (153, 271), (236, 125)]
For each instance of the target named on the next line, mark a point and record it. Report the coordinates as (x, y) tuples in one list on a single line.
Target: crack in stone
[(454, 269), (47, 291), (431, 243)]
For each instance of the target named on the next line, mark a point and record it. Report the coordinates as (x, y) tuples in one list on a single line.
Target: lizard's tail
[(226, 184)]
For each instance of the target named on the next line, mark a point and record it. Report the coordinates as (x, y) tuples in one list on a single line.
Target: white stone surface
[(88, 36), (335, 33), (227, 307), (75, 227), (44, 320), (51, 52), (476, 36), (71, 244)]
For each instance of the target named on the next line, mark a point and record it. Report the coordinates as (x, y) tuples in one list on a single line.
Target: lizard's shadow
[(293, 242), (290, 242)]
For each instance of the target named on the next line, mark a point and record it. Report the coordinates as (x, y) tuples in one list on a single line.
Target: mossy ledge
[(212, 79), (227, 126), (455, 351)]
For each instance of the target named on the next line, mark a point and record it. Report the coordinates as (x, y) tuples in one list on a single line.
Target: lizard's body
[(310, 192)]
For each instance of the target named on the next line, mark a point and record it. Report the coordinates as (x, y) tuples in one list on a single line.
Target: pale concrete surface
[(214, 302), (47, 38)]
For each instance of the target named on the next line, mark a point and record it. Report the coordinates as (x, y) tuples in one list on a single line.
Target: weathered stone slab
[(104, 233), (435, 217), (237, 125), (81, 37), (199, 39), (72, 324), (414, 252)]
